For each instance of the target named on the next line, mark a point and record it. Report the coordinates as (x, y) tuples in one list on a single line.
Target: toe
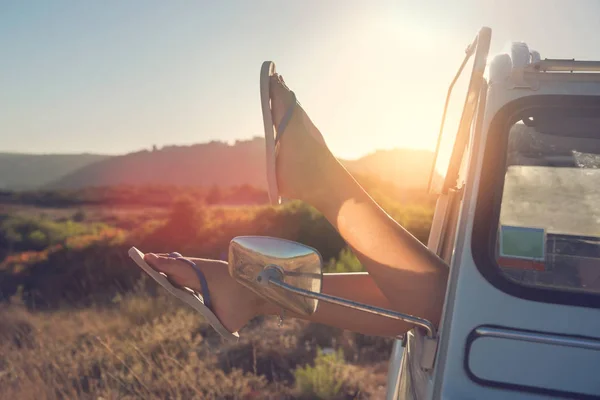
[(163, 263), (177, 271)]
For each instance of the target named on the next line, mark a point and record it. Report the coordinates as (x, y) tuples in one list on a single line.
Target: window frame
[(489, 201)]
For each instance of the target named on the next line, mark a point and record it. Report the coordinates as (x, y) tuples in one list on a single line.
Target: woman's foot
[(300, 149), (232, 303)]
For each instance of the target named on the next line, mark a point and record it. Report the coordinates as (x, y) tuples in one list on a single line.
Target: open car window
[(458, 116)]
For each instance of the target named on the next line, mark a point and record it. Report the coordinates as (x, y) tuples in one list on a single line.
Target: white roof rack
[(563, 65)]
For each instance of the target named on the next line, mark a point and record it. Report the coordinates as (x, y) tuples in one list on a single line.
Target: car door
[(522, 316)]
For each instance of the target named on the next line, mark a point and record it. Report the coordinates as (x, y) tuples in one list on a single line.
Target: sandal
[(272, 134), (199, 302)]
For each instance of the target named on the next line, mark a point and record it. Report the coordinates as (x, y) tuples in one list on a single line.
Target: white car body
[(497, 341)]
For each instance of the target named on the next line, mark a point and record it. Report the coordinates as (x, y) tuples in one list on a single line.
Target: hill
[(220, 164), (207, 164), (30, 171)]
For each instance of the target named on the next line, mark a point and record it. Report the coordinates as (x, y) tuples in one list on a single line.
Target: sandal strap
[(286, 118), (201, 278)]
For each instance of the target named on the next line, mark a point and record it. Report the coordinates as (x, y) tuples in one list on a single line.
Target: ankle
[(300, 160)]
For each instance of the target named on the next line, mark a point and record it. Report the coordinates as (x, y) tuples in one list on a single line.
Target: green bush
[(38, 239), (346, 262), (24, 233), (323, 381), (79, 216)]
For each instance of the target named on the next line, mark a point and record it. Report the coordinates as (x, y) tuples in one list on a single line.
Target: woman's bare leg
[(235, 305), (410, 276), (403, 275)]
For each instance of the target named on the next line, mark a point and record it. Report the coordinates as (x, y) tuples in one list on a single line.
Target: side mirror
[(289, 274), (255, 261)]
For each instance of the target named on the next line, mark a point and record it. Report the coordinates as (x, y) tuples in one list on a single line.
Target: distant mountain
[(30, 171), (208, 164)]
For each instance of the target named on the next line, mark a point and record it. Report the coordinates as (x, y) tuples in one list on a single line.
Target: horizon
[(114, 78), (235, 142)]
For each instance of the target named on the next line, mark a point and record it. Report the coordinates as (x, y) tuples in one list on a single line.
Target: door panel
[(557, 363)]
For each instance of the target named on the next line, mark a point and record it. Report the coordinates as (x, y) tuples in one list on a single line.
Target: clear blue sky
[(119, 76)]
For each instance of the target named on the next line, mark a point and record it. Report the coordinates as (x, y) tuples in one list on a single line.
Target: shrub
[(38, 239), (214, 196), (346, 262), (79, 216), (324, 380), (16, 327), (94, 353), (139, 307), (22, 233)]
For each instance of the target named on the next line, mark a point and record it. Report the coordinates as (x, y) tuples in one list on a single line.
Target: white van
[(518, 221)]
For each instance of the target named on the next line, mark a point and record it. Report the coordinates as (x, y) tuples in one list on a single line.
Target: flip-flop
[(272, 134), (198, 302)]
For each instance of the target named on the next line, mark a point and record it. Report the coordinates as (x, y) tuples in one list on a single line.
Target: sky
[(113, 77)]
